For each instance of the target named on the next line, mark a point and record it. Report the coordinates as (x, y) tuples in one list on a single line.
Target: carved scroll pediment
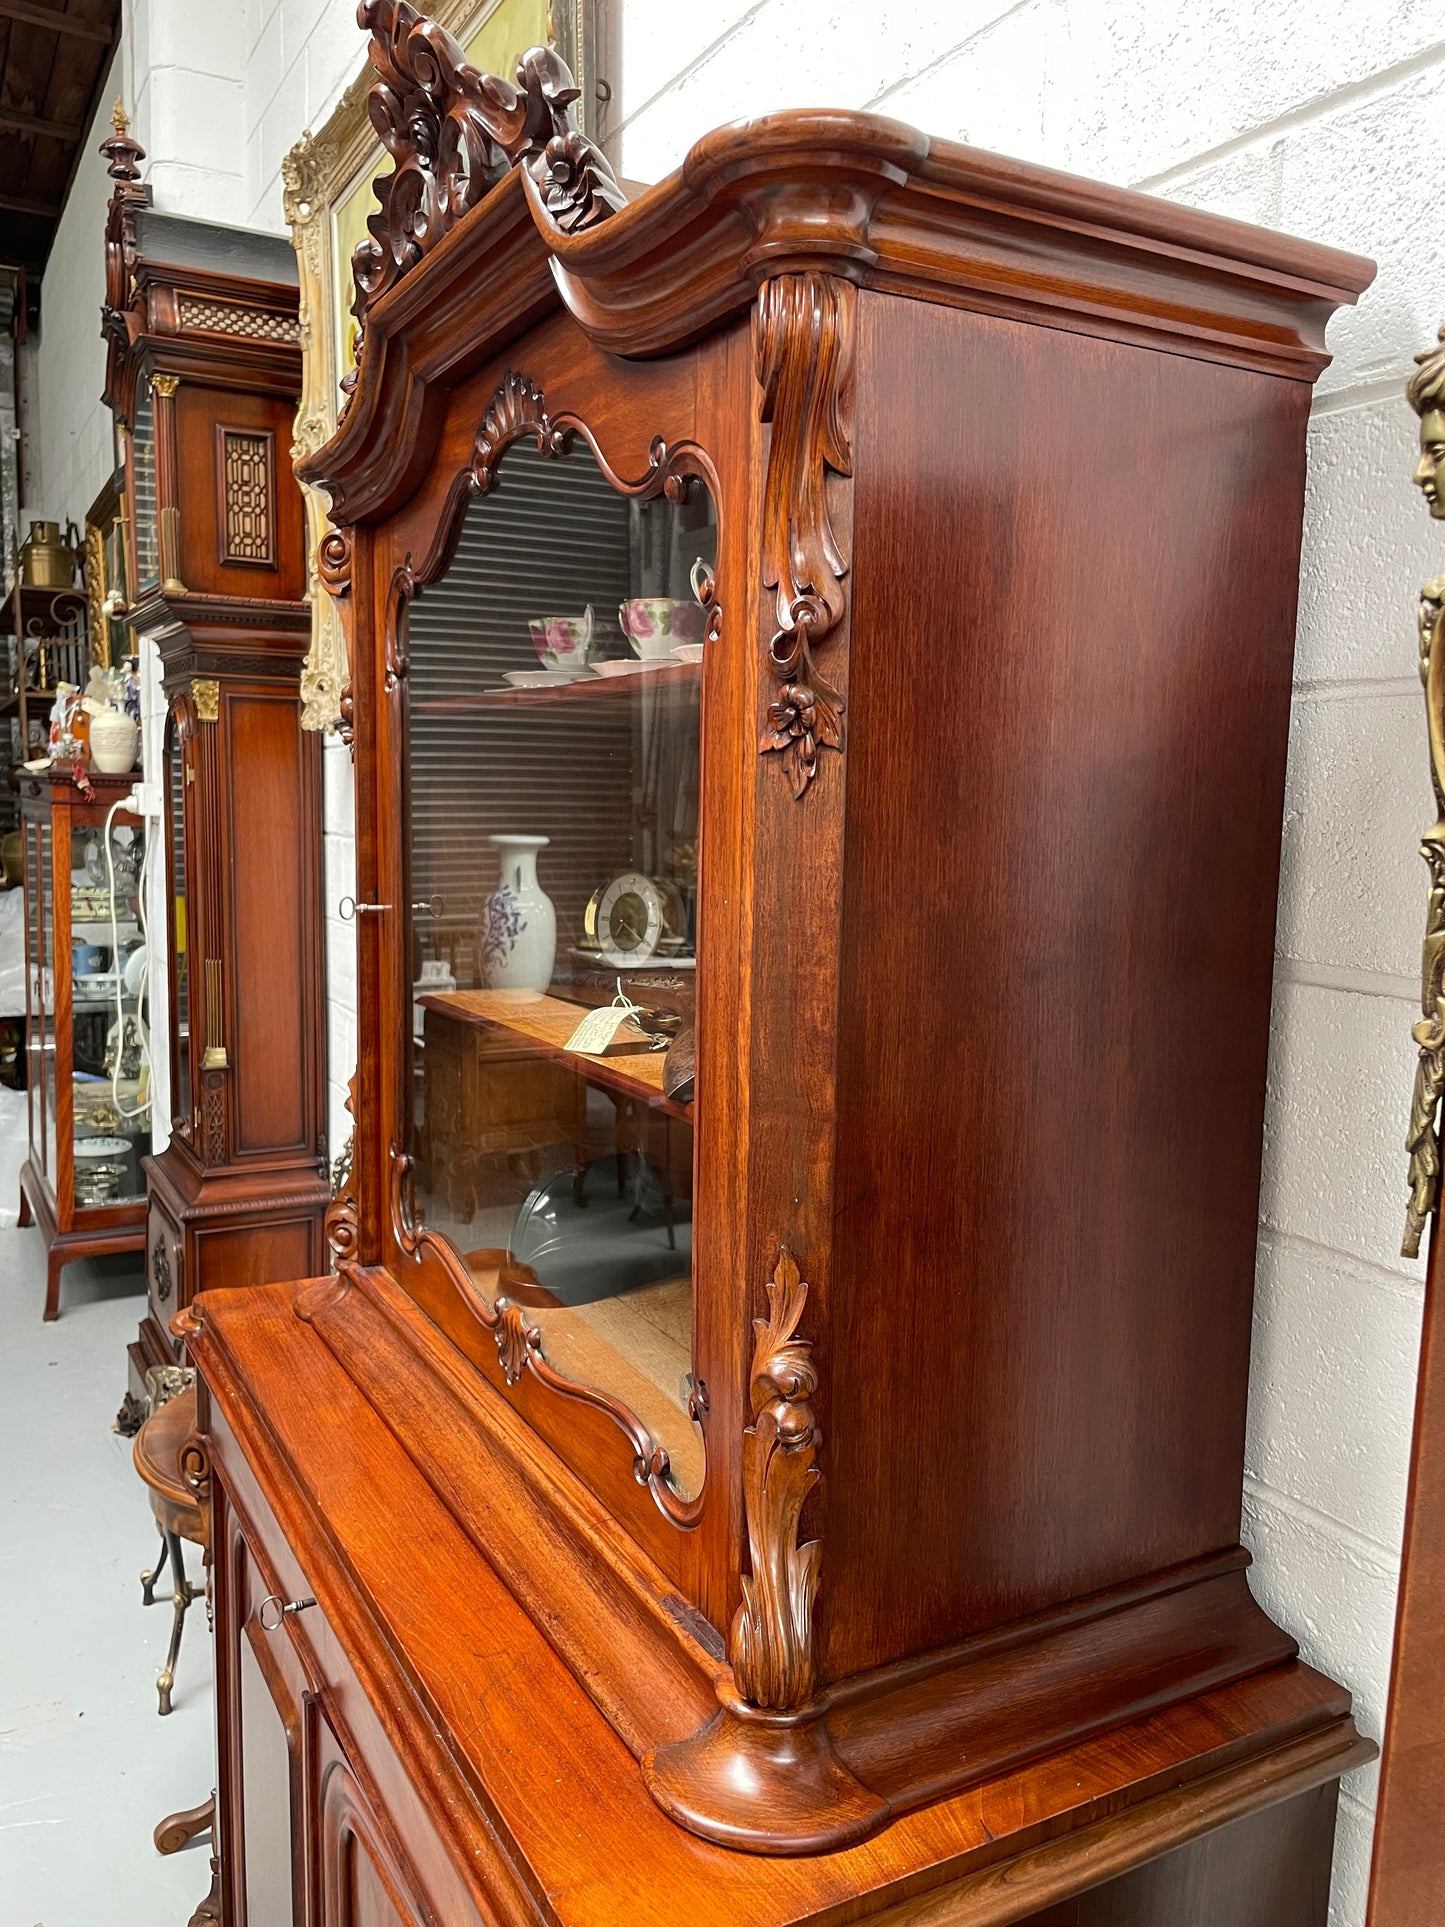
[(454, 132)]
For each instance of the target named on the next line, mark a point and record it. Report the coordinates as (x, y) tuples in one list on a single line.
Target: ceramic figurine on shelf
[(517, 937)]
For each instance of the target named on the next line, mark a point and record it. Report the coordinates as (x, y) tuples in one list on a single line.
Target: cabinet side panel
[(270, 998), (1074, 587), (257, 1253)]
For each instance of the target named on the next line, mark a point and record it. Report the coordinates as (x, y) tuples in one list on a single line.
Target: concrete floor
[(87, 1767)]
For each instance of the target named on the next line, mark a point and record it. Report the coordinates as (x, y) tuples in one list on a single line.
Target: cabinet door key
[(279, 1608)]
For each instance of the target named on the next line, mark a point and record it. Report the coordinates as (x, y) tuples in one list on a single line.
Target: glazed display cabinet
[(202, 375), (820, 651), (87, 1023)]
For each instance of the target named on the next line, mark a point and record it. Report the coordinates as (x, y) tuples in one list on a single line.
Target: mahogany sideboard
[(202, 374), (844, 597)]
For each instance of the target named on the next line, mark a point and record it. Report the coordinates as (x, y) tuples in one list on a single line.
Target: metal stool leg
[(181, 1598), (148, 1579)]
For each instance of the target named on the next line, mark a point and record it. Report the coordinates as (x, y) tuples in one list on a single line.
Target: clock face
[(629, 920)]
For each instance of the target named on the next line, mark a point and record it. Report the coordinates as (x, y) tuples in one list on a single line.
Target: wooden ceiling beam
[(61, 130), (42, 210), (36, 16)]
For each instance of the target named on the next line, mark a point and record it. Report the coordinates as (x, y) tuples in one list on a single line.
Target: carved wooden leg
[(177, 1829), (148, 1579), (25, 1213), (181, 1598), (53, 1263), (208, 1914)]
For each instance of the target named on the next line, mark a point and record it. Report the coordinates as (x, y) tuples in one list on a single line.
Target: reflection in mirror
[(554, 698)]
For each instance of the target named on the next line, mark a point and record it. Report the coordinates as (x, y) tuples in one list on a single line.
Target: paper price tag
[(597, 1030)]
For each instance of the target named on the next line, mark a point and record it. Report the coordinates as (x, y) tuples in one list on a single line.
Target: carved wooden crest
[(455, 132)]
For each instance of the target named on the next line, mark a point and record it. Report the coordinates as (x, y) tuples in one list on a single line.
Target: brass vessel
[(49, 560)]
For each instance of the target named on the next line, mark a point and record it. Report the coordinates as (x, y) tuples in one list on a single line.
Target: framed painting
[(328, 184)]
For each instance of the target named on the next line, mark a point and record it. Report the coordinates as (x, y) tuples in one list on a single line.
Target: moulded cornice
[(856, 196)]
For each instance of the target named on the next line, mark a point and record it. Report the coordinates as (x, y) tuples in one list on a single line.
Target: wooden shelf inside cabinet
[(543, 1025), (589, 695)]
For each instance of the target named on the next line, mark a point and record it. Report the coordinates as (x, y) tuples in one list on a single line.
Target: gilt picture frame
[(328, 192)]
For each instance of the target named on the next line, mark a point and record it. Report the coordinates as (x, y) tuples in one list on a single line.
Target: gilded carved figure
[(1425, 391)]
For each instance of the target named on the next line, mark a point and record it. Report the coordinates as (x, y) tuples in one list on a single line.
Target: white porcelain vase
[(113, 738), (517, 935)]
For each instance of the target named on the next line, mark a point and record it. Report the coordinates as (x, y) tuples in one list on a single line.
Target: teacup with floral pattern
[(562, 642), (656, 624)]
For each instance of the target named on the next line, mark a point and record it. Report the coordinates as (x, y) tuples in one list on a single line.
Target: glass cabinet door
[(109, 1065), (554, 742)]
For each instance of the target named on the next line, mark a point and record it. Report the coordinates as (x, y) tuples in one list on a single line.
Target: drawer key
[(278, 1608)]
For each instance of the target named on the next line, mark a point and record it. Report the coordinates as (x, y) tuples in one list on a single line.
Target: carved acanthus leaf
[(455, 132), (804, 354), (517, 1338), (771, 1643), (515, 410)]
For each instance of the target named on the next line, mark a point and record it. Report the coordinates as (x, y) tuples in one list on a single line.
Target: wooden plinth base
[(99, 1240)]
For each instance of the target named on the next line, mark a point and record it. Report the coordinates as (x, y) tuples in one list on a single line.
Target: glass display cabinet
[(555, 677), (202, 374), (770, 1447), (87, 1020)]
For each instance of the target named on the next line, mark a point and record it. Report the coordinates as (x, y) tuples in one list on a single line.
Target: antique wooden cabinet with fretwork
[(202, 374), (781, 1460)]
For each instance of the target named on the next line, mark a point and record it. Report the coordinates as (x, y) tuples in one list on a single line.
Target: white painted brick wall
[(1311, 115)]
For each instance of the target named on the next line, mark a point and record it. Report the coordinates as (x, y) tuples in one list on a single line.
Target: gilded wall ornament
[(1425, 392)]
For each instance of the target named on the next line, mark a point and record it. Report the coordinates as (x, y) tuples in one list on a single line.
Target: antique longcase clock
[(202, 374)]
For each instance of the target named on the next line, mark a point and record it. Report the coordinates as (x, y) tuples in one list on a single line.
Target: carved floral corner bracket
[(763, 1772), (803, 346), (1425, 392), (771, 1641)]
